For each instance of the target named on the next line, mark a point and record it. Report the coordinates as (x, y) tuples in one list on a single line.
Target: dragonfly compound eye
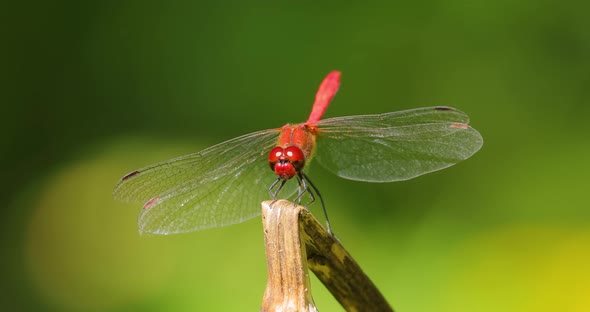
[(274, 156), (295, 157)]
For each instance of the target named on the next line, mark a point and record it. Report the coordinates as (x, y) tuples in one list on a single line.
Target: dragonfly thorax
[(286, 162)]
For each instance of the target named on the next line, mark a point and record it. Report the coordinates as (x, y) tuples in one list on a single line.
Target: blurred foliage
[(92, 90)]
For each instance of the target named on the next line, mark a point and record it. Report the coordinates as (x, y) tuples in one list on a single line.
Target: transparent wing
[(395, 146), (221, 185)]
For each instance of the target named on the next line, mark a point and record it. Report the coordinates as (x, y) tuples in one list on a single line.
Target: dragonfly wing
[(395, 146), (221, 185)]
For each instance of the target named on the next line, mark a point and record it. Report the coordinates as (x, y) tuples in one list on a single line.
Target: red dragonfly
[(225, 183)]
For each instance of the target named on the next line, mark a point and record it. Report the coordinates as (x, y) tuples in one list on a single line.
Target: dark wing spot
[(129, 175), (443, 108)]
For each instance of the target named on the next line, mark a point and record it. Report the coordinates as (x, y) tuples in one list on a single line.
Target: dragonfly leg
[(273, 194), (301, 189), (306, 181)]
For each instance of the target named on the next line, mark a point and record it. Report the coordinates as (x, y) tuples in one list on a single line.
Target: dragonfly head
[(286, 162)]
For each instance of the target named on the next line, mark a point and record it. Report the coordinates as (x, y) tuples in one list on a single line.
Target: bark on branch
[(295, 241)]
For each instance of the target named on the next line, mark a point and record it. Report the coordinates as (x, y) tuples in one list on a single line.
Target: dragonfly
[(225, 183)]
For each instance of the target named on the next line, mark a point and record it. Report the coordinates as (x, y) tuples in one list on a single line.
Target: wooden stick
[(288, 287), (295, 239)]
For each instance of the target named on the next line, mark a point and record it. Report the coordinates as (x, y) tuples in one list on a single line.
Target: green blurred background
[(93, 90)]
